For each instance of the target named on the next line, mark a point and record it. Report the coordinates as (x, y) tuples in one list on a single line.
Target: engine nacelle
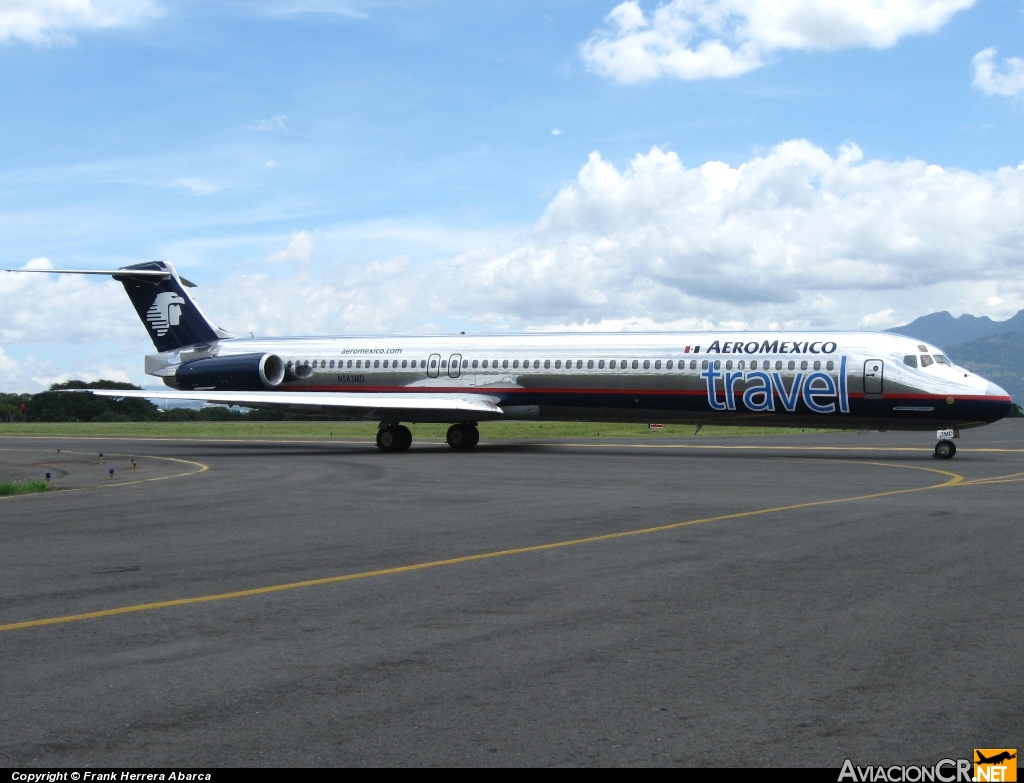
[(245, 372)]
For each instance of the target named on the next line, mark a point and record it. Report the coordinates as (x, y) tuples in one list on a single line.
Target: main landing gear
[(463, 436), (394, 437), (945, 449)]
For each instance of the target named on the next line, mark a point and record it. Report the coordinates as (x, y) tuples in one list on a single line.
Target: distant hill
[(945, 331), (994, 349)]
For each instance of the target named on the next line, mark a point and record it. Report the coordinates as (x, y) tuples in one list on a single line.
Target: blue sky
[(435, 166)]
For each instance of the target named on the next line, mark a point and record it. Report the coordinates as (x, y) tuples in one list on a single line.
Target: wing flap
[(475, 403)]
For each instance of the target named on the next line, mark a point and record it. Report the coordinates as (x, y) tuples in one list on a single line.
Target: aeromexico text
[(775, 346)]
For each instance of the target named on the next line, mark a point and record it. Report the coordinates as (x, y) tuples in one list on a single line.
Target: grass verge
[(513, 430), (22, 487)]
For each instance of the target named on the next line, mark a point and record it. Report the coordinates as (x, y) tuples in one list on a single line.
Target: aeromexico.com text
[(820, 392)]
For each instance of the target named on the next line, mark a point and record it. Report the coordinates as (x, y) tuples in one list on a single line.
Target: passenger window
[(910, 360), (753, 364), (494, 364), (465, 364), (718, 364), (830, 366), (728, 365), (515, 364), (332, 364), (307, 362), (423, 364), (433, 363), (558, 364), (778, 365), (636, 364), (350, 364), (792, 365), (600, 365), (740, 364), (568, 364), (359, 363), (547, 364), (590, 364), (926, 360), (444, 364), (668, 365), (817, 365), (704, 364), (485, 364), (504, 364), (657, 365), (803, 365), (579, 364)]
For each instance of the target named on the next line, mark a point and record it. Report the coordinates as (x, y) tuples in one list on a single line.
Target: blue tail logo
[(163, 304)]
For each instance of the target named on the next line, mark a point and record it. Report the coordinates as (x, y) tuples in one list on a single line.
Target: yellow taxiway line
[(952, 479)]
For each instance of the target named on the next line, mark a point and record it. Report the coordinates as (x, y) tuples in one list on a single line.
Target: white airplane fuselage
[(803, 379)]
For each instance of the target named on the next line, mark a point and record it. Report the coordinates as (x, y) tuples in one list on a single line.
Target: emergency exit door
[(873, 371)]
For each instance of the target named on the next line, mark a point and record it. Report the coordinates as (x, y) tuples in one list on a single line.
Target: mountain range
[(994, 349)]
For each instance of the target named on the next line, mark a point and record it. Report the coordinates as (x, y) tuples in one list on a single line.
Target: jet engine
[(245, 372)]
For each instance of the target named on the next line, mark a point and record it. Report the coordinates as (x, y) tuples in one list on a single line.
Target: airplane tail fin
[(171, 316)]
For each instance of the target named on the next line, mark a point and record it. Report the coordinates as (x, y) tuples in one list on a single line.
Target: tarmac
[(766, 601)]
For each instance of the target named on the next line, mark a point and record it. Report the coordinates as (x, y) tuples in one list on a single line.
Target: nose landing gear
[(394, 438), (463, 436), (945, 449)]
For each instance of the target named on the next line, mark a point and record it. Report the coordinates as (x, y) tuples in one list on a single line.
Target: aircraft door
[(433, 365), (454, 364), (873, 371)]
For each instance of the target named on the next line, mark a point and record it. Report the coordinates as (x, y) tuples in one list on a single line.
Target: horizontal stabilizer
[(469, 403)]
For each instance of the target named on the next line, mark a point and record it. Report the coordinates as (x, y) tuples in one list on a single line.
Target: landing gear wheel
[(463, 436), (945, 449), (394, 438), (405, 438)]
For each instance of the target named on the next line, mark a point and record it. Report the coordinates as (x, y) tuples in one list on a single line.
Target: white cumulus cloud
[(797, 237), (992, 79), (300, 248), (47, 22), (697, 39)]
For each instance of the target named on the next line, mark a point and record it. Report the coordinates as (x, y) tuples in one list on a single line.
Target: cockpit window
[(943, 360), (926, 360), (910, 360)]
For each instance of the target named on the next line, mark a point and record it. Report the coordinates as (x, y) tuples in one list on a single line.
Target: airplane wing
[(470, 403)]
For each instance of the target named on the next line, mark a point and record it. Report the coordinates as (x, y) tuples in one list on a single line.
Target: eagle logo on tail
[(165, 312)]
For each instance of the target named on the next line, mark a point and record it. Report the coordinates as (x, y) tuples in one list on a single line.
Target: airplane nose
[(994, 390)]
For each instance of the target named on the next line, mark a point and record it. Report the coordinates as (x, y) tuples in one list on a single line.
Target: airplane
[(996, 759), (833, 380)]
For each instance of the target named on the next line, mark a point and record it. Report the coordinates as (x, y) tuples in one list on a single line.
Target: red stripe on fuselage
[(679, 392)]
